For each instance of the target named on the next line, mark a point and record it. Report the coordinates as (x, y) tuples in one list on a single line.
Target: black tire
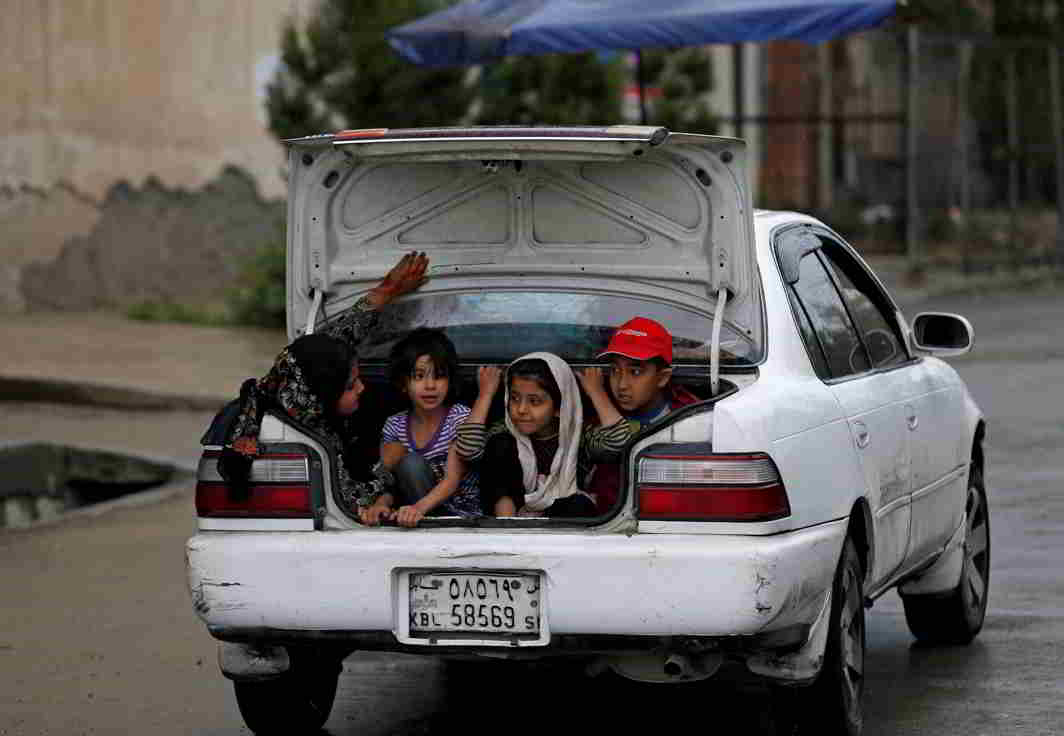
[(831, 706), (298, 702), (957, 617)]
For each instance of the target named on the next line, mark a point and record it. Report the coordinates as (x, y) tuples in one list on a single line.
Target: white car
[(833, 457)]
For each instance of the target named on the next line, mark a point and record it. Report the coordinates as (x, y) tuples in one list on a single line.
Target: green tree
[(552, 89), (339, 72), (685, 77)]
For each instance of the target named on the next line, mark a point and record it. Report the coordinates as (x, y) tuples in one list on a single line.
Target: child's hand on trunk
[(374, 514), (409, 516)]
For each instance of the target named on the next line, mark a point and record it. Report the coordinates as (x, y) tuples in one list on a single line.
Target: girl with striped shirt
[(428, 476)]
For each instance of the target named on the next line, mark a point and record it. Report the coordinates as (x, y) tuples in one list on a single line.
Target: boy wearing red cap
[(640, 352)]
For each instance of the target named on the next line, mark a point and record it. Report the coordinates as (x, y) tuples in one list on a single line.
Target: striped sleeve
[(470, 440), (393, 430), (604, 444), (473, 437)]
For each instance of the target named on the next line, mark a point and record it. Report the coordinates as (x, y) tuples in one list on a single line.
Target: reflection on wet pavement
[(397, 695)]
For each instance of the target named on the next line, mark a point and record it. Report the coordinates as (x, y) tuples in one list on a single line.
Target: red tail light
[(279, 487), (710, 488)]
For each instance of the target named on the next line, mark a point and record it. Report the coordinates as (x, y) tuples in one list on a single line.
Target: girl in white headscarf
[(531, 464)]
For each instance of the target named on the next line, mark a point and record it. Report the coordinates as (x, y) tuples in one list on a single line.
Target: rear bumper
[(337, 584)]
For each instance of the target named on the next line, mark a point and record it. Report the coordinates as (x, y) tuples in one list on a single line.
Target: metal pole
[(1058, 143), (825, 147), (738, 88), (1012, 122), (913, 250), (642, 87), (963, 81)]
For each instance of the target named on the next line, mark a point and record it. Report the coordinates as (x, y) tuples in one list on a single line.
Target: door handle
[(861, 435), (911, 420)]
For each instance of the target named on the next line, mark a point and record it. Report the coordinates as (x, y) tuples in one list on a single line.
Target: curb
[(62, 391)]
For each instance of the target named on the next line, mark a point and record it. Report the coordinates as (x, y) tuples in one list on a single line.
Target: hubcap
[(976, 557)]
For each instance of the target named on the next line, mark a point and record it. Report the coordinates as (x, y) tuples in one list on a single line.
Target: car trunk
[(538, 239), (623, 209)]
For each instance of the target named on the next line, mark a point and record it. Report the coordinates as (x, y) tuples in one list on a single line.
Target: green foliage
[(167, 311), (553, 89), (684, 77), (259, 297), (339, 72), (257, 300)]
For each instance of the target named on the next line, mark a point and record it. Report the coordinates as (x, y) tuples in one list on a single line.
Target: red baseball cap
[(640, 339)]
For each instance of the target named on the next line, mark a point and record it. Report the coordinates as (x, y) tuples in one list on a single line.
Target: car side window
[(816, 292), (812, 344), (876, 330)]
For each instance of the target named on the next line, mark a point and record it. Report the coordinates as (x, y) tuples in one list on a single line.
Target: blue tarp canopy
[(476, 31)]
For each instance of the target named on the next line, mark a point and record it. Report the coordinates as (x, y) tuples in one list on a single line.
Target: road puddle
[(41, 481)]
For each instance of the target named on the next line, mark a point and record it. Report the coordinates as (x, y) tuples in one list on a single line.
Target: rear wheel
[(298, 702), (831, 706), (957, 616)]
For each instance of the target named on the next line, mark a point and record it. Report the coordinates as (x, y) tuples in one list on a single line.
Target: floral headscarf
[(305, 382)]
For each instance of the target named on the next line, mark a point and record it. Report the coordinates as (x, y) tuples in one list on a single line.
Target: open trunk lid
[(622, 209)]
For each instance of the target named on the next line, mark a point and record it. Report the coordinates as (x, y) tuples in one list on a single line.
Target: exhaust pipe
[(678, 665)]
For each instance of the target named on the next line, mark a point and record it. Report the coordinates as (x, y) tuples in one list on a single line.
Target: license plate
[(474, 603)]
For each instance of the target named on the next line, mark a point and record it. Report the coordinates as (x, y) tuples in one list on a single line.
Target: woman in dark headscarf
[(315, 381)]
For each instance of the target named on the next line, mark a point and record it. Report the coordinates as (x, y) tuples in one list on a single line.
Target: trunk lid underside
[(624, 209)]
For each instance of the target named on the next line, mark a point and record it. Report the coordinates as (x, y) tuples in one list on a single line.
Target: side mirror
[(942, 335)]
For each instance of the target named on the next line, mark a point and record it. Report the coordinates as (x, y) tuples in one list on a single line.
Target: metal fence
[(948, 150), (994, 196)]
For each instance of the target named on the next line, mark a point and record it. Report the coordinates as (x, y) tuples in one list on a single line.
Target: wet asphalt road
[(97, 633)]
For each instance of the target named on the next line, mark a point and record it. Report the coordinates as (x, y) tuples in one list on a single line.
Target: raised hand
[(404, 277), (488, 379), (592, 379)]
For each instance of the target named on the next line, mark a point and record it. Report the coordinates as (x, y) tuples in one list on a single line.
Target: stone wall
[(155, 243), (111, 109)]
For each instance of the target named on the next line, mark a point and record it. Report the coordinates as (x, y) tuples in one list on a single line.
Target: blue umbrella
[(476, 31)]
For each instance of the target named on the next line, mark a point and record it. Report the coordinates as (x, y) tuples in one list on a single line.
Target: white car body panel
[(596, 583)]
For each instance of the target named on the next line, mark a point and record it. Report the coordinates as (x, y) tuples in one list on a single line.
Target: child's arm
[(604, 442), (593, 381), (409, 516), (392, 448), (472, 434), (391, 453)]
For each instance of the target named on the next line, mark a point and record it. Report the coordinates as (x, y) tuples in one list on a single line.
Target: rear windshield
[(497, 327)]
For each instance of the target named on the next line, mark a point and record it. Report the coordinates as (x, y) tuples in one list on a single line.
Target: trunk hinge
[(312, 315), (714, 343)]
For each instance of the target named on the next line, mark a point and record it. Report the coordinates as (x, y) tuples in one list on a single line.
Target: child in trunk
[(417, 444), (531, 462), (640, 355)]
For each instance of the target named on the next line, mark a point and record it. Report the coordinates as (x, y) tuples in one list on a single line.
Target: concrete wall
[(99, 93)]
